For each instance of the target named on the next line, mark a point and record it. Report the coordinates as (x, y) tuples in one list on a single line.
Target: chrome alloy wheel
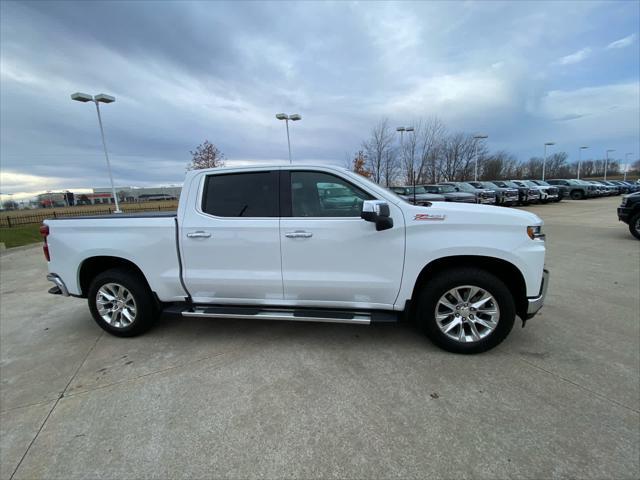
[(467, 313), (637, 226), (116, 305)]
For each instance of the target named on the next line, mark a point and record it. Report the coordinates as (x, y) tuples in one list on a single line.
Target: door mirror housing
[(378, 212)]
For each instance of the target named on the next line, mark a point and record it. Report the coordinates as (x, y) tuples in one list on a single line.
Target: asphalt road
[(246, 399)]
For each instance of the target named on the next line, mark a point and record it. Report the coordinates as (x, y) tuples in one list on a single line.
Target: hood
[(471, 214)]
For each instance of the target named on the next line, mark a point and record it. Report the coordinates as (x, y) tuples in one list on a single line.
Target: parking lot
[(246, 399)]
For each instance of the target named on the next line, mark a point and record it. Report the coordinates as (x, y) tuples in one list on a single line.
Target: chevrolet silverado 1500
[(271, 243)]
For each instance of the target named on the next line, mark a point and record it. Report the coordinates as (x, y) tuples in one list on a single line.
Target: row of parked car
[(514, 192)]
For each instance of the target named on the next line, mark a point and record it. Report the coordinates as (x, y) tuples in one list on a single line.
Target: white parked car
[(276, 243)]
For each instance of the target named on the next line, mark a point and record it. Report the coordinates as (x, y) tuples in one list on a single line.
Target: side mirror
[(378, 212)]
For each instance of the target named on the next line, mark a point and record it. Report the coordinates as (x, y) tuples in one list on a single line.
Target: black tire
[(576, 195), (634, 225), (145, 308), (435, 288)]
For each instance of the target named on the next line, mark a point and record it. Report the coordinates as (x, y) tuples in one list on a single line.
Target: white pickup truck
[(306, 243)]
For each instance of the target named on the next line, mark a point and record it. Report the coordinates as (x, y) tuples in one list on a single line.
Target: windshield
[(529, 183), (439, 188), (476, 184), (465, 187), (511, 184), (543, 183), (490, 185)]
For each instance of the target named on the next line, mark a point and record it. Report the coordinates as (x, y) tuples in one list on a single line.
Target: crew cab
[(266, 243)]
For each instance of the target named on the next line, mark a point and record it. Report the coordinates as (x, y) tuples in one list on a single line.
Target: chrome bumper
[(536, 303), (60, 288)]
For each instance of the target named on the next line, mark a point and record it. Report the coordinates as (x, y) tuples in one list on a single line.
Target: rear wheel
[(576, 195), (634, 225), (466, 310), (121, 303)]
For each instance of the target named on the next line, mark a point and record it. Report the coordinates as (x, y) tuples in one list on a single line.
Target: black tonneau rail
[(167, 214)]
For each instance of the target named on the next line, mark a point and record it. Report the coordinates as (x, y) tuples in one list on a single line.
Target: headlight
[(535, 233), (624, 201)]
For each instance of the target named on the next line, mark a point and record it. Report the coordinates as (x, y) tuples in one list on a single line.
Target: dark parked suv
[(526, 195), (505, 196), (450, 194), (575, 189), (416, 195), (629, 213), (483, 195)]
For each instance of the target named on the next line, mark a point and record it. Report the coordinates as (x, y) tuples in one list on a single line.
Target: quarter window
[(252, 194), (318, 194)]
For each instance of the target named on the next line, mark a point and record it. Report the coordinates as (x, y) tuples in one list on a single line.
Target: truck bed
[(146, 239)]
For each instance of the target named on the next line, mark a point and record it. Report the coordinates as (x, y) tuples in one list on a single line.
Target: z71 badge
[(428, 216)]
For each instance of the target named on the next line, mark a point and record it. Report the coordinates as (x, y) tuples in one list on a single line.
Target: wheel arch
[(93, 266), (506, 271)]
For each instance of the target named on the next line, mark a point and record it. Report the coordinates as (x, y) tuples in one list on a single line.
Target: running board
[(291, 314)]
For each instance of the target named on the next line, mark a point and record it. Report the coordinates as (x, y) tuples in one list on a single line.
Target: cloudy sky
[(523, 73)]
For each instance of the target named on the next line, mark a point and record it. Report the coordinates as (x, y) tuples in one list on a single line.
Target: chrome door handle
[(298, 234), (198, 234)]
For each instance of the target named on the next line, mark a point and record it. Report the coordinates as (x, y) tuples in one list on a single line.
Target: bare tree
[(430, 137), (379, 152), (457, 156), (206, 155)]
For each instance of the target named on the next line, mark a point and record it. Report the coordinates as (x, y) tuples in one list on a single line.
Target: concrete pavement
[(246, 399)]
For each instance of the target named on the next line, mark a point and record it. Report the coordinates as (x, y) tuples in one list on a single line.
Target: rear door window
[(251, 194)]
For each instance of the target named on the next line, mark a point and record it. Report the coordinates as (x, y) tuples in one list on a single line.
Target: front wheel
[(466, 310), (121, 303), (576, 195), (634, 225)]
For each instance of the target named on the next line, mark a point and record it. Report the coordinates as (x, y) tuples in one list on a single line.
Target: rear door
[(330, 256), (230, 239)]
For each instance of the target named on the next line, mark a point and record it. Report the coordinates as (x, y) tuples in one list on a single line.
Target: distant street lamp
[(100, 98), (606, 163), (476, 138), (413, 170), (544, 162), (580, 159), (295, 117), (626, 164)]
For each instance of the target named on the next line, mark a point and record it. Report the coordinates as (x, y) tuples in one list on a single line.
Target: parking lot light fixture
[(606, 163), (413, 171), (626, 164), (580, 159), (544, 161), (294, 118), (97, 100), (476, 138)]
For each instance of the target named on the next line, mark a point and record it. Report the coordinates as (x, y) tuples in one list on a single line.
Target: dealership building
[(99, 196)]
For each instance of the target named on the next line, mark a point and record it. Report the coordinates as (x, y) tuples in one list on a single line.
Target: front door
[(230, 241), (330, 256)]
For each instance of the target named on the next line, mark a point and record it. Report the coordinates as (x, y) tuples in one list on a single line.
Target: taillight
[(44, 231)]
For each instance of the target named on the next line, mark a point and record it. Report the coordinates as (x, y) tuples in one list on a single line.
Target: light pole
[(544, 162), (283, 116), (580, 159), (100, 98), (476, 138), (626, 164), (413, 170), (606, 163)]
